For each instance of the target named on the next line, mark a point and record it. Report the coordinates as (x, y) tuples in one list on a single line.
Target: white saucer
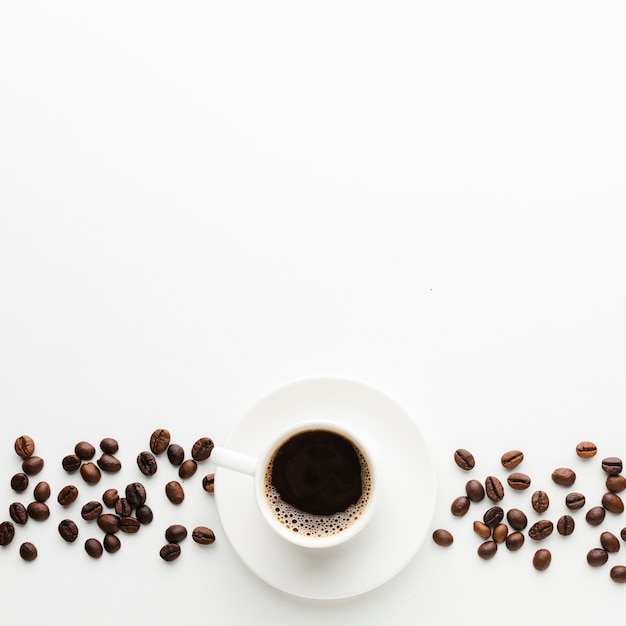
[(406, 486)]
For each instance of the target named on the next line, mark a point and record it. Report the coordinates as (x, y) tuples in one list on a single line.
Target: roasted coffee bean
[(512, 458), (441, 536), (38, 511), (110, 497), (473, 488), (147, 463), (611, 465), (515, 541), (574, 501), (202, 449), (19, 482), (109, 523), (123, 507), (68, 530), (7, 532), (540, 501), (136, 494), (28, 551), (175, 454), (93, 548), (612, 503), (494, 489), (482, 530), (487, 550), (175, 533), (109, 463), (109, 445), (564, 476), (493, 516), (205, 536), (540, 530), (67, 495), (42, 491), (174, 492), (464, 459), (586, 449), (32, 465), (91, 510), (111, 543), (618, 574), (170, 552), (90, 473), (24, 446), (609, 542), (159, 440), (500, 533), (565, 525), (129, 525), (187, 469), (518, 481), (616, 483), (595, 515), (18, 513), (542, 560), (460, 506), (84, 450), (622, 533), (208, 484), (71, 463), (144, 514), (597, 557)]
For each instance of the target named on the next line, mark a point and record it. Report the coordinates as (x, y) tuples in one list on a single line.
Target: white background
[(201, 201)]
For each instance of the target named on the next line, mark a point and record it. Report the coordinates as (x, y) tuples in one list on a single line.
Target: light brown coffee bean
[(482, 530), (540, 501), (460, 506), (174, 492), (586, 449), (494, 489), (464, 459), (90, 473), (542, 560), (518, 481), (187, 469), (612, 503), (24, 446), (512, 458), (500, 533), (110, 497), (609, 542), (595, 515), (42, 491), (616, 483), (109, 523), (159, 440), (564, 476), (487, 550), (441, 537), (515, 541), (208, 483)]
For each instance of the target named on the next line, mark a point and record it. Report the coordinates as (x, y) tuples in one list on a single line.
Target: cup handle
[(230, 459)]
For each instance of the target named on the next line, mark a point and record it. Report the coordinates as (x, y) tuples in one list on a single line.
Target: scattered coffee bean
[(123, 507), (90, 473), (68, 530), (109, 463), (565, 525), (512, 458), (110, 497), (609, 542), (136, 494), (618, 574), (205, 536), (175, 533), (109, 445), (202, 449), (595, 515), (441, 536), (129, 525), (18, 513), (487, 549), (597, 557), (84, 450), (494, 489), (174, 492), (32, 465), (19, 482), (67, 495), (91, 510), (208, 484), (540, 501), (574, 501), (144, 514), (518, 481), (24, 446), (187, 469), (493, 516), (71, 463), (515, 541), (147, 463), (460, 506), (109, 523), (7, 532), (586, 449), (517, 519), (159, 440), (111, 543), (500, 533), (622, 534), (482, 530), (170, 552), (175, 454), (616, 483), (42, 491), (611, 465), (612, 503), (564, 476), (28, 551), (542, 560), (473, 488), (540, 530), (93, 548), (38, 511)]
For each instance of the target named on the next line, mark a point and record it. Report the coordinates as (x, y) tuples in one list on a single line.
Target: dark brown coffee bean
[(7, 532), (518, 481), (110, 497), (111, 543), (586, 449), (71, 463), (473, 488), (67, 495), (32, 465), (28, 551), (574, 501), (109, 523), (170, 552), (540, 501), (441, 536), (464, 459), (18, 513), (616, 483), (84, 450), (618, 574), (91, 510), (147, 463), (187, 469), (565, 525), (38, 511), (123, 507), (487, 550), (175, 533), (542, 560), (622, 534), (90, 473), (144, 514), (208, 483), (93, 548), (42, 491), (494, 489), (174, 492), (109, 463), (159, 440), (612, 503), (175, 454), (500, 533), (595, 515), (109, 445), (482, 530), (597, 557), (19, 482), (136, 494), (205, 536), (202, 449), (564, 476), (611, 465), (493, 516), (515, 541), (609, 542), (460, 506), (68, 530), (512, 458), (540, 530), (129, 525), (24, 446)]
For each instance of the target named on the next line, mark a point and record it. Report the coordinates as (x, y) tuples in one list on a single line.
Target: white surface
[(202, 201)]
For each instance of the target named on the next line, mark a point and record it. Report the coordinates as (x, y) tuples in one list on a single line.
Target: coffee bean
[(187, 469), (205, 536), (460, 506), (540, 530), (109, 445), (109, 523), (493, 516), (609, 542), (28, 551), (109, 463), (542, 560), (175, 454), (71, 463), (110, 497), (91, 510), (208, 484), (90, 473), (611, 465), (123, 507), (540, 501), (574, 501), (7, 532), (159, 440), (586, 449), (618, 574), (68, 530), (67, 495), (512, 458), (612, 503), (136, 494), (518, 481), (84, 450), (623, 533), (595, 515), (174, 492), (129, 525), (42, 491), (564, 476), (170, 552), (24, 446), (93, 547), (175, 533), (616, 483), (202, 449), (487, 550), (494, 489), (515, 541), (111, 543), (147, 463), (18, 513), (464, 459), (19, 482), (32, 465), (38, 511), (482, 530), (473, 488), (441, 536), (500, 533), (144, 514), (597, 557), (565, 525)]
